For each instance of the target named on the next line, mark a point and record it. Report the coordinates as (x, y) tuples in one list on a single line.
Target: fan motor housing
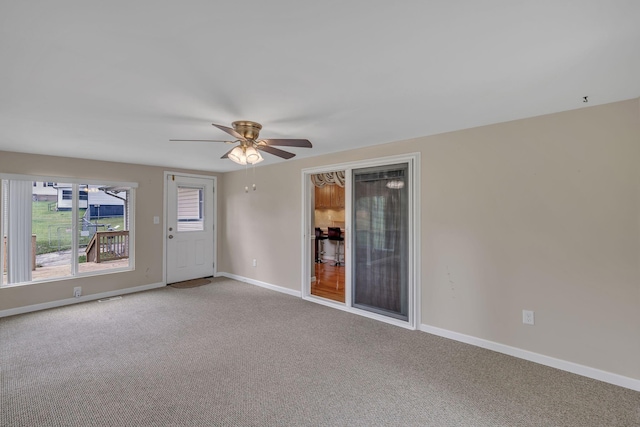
[(250, 130)]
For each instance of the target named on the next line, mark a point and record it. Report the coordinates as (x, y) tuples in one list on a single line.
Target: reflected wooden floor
[(329, 282)]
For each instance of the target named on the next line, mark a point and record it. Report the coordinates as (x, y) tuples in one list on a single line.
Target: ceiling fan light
[(252, 155), (260, 158), (237, 155), (395, 184)]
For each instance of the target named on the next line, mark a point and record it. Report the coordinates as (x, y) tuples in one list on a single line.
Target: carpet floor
[(232, 354)]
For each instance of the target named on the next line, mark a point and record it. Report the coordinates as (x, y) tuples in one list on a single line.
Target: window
[(85, 229), (83, 194), (190, 200)]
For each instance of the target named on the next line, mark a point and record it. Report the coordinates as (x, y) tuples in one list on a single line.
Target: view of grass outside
[(53, 228)]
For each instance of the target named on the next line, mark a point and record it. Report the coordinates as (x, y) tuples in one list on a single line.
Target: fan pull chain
[(246, 179), (254, 176)]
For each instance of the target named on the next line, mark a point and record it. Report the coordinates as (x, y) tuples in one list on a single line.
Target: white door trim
[(413, 159), (164, 219)]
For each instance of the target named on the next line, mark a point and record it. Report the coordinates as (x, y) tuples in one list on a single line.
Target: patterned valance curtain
[(328, 178)]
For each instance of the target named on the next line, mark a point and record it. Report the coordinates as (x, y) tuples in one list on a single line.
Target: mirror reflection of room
[(328, 245)]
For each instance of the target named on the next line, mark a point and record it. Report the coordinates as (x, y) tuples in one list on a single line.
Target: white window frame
[(76, 182)]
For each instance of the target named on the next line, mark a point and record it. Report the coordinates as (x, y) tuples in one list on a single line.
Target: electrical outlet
[(528, 317), (77, 291), (255, 262)]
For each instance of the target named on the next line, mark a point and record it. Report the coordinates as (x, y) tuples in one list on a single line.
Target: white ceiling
[(115, 80)]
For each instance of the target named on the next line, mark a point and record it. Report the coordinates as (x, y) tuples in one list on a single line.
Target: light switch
[(156, 220)]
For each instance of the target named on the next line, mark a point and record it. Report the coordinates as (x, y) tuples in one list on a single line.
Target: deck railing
[(108, 246)]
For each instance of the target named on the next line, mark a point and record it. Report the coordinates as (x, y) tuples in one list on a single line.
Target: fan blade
[(276, 151), (230, 131), (201, 140), (226, 155), (288, 142)]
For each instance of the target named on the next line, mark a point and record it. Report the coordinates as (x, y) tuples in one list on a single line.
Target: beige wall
[(540, 214), (149, 237)]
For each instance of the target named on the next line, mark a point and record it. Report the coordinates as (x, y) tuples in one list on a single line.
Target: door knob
[(171, 236)]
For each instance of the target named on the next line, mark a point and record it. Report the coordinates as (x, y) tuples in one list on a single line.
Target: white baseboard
[(261, 284), (84, 298), (563, 365)]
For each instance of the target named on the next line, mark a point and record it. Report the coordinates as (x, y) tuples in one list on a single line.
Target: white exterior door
[(190, 227)]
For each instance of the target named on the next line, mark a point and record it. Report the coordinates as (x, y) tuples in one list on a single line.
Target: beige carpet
[(194, 283), (232, 354)]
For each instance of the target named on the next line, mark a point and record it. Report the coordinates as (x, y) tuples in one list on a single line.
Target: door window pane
[(380, 221), (190, 212)]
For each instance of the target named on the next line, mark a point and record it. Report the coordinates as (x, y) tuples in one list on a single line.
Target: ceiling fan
[(246, 133)]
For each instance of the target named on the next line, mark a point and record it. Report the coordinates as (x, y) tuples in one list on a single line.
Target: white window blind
[(19, 232), (190, 209)]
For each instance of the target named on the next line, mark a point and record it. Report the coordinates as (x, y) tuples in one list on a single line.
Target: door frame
[(165, 201), (413, 160)]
